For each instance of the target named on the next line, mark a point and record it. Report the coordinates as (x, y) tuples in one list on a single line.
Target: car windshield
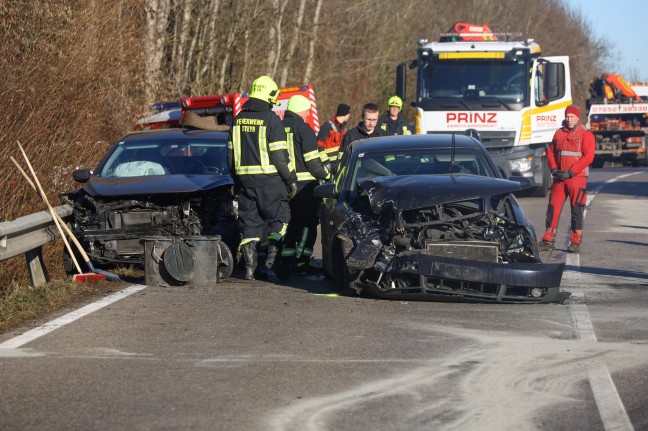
[(167, 157), (439, 161)]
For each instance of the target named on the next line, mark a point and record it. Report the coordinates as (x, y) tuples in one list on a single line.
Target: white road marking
[(582, 327), (608, 401), (35, 333), (613, 413)]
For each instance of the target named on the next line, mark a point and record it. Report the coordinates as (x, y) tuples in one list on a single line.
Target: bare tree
[(157, 14), (295, 36), (310, 60)]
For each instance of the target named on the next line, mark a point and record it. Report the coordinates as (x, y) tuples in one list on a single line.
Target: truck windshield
[(470, 82)]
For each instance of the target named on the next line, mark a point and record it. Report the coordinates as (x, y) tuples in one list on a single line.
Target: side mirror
[(326, 191), (81, 175)]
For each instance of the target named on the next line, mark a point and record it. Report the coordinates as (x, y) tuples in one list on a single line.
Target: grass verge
[(20, 304)]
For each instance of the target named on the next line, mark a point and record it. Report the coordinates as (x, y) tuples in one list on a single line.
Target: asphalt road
[(263, 356)]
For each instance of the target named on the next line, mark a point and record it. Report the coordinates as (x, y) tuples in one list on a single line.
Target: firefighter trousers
[(302, 230), (260, 206)]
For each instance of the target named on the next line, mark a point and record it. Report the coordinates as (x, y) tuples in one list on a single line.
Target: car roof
[(173, 133), (414, 142)]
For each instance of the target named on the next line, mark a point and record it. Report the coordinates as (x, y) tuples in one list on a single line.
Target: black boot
[(286, 267), (250, 256), (274, 247)]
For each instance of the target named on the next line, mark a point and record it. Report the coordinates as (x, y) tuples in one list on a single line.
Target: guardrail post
[(36, 267)]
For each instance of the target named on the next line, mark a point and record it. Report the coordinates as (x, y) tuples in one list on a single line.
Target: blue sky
[(624, 23)]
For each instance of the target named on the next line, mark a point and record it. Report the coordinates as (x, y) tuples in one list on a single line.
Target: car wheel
[(341, 274), (226, 261), (68, 262), (376, 292)]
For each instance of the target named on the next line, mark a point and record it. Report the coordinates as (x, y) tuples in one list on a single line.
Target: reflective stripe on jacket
[(572, 149), (393, 127), (302, 148), (257, 146), (330, 137)]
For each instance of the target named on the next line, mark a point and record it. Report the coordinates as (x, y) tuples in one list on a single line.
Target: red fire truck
[(224, 107)]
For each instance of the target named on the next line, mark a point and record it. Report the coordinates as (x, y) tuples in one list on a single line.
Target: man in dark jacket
[(259, 163), (393, 122), (365, 129), (305, 159), (569, 155)]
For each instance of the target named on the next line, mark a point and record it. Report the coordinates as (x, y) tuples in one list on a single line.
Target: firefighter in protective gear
[(304, 157), (393, 122), (259, 164), (331, 133), (569, 155)]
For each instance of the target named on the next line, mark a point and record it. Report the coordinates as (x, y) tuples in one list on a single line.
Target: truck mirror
[(554, 80), (400, 80)]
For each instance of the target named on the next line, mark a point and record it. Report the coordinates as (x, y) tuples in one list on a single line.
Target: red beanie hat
[(572, 109)]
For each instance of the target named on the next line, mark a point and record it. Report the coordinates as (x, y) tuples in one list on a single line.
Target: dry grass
[(21, 304), (72, 78)]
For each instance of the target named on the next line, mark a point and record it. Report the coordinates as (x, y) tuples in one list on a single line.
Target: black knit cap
[(342, 110)]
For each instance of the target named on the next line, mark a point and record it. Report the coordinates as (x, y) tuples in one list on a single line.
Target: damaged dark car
[(429, 216), (170, 183)]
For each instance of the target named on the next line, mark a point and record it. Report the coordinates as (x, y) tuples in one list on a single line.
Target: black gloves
[(292, 190), (562, 175)]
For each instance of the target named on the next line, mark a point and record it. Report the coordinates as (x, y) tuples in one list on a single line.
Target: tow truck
[(223, 108), (504, 92), (617, 114)]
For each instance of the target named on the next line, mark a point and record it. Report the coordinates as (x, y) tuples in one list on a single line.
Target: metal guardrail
[(27, 235)]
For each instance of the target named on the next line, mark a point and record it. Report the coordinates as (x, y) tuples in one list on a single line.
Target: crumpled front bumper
[(417, 274)]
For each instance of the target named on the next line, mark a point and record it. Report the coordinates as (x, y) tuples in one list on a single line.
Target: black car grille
[(130, 246), (131, 218), (482, 251)]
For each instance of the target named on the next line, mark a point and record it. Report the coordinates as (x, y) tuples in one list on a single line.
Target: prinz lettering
[(471, 117), (551, 118)]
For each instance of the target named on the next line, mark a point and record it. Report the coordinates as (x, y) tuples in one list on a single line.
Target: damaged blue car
[(430, 216), (168, 183)]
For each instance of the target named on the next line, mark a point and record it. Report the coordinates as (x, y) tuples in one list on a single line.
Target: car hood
[(155, 184), (419, 191)]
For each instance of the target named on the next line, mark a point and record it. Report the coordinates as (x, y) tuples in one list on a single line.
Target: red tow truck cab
[(225, 107)]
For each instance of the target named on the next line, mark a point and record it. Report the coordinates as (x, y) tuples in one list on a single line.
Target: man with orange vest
[(331, 133), (569, 155)]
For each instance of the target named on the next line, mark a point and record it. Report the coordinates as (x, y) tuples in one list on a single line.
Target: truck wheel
[(542, 190), (598, 163)]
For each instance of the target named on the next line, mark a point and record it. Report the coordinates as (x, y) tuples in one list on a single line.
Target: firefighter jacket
[(303, 151), (330, 137), (257, 147), (393, 127), (359, 132), (572, 149)]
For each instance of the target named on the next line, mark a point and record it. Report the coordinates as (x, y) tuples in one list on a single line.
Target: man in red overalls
[(570, 153)]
